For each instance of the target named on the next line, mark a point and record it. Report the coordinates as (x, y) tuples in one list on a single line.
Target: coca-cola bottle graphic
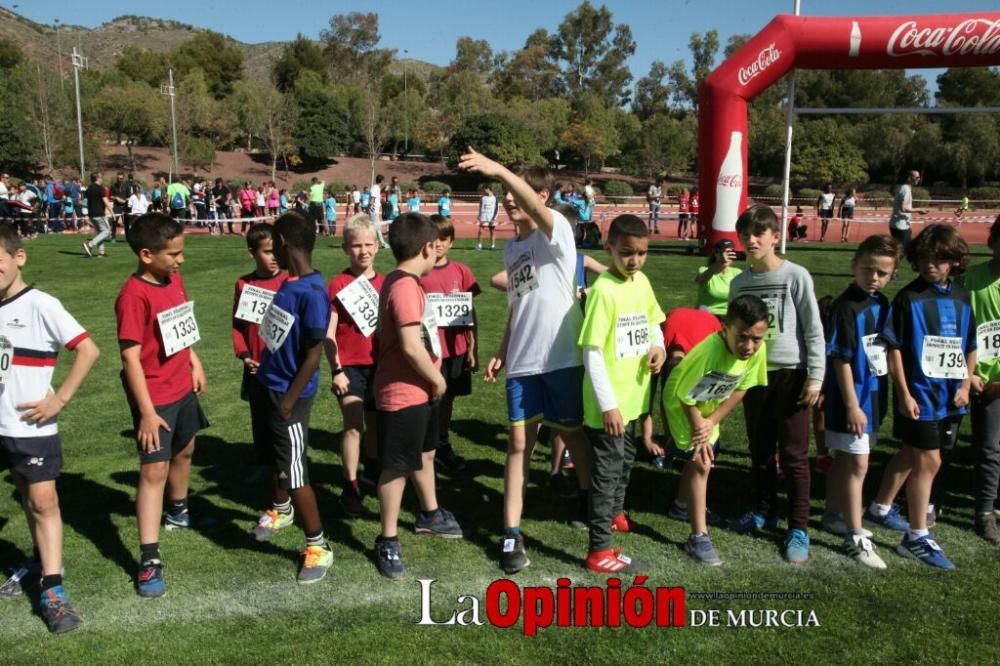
[(729, 186)]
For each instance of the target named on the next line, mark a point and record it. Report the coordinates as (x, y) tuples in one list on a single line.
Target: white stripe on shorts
[(295, 468)]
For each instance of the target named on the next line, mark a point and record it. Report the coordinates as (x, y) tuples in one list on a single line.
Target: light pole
[(406, 108), (79, 62), (170, 91), (62, 80)]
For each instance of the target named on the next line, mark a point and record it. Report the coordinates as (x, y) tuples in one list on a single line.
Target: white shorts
[(488, 223), (848, 442)]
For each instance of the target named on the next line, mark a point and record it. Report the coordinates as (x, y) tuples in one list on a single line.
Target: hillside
[(102, 44)]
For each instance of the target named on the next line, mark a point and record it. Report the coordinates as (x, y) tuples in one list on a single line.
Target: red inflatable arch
[(807, 42)]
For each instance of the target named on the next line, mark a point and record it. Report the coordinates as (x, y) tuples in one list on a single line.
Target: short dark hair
[(626, 225), (95, 176), (259, 233), (879, 246), (942, 243), (994, 231), (746, 308), (569, 211), (409, 234), (296, 231), (152, 232), (445, 229), (10, 240), (756, 220), (538, 179)]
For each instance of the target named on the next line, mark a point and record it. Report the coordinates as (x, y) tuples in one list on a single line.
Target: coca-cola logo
[(976, 36), (765, 59), (730, 180)]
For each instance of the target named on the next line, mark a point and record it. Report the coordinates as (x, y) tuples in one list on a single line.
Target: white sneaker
[(860, 549), (835, 524)]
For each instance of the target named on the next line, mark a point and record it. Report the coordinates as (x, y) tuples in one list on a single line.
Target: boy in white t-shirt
[(539, 347)]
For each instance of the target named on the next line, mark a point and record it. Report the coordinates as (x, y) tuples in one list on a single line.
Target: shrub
[(300, 185), (774, 190), (337, 186), (434, 187), (808, 193), (877, 198), (407, 186), (617, 190), (676, 189), (920, 193), (984, 194)]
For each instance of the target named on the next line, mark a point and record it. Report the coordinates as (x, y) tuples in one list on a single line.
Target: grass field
[(233, 600)]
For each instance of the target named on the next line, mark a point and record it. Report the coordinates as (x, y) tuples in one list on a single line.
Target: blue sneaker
[(892, 521), (54, 608), (150, 582), (925, 549), (752, 521), (797, 546)]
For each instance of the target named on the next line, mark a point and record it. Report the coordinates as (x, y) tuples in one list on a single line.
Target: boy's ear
[(145, 255)]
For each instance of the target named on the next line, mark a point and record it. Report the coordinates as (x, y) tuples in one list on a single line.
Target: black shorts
[(403, 436), (185, 419), (928, 435), (35, 459), (362, 384), (902, 236), (847, 213), (284, 442), (826, 213), (457, 375)]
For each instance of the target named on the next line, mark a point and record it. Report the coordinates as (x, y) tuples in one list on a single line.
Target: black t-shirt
[(219, 194), (95, 200), (121, 190)]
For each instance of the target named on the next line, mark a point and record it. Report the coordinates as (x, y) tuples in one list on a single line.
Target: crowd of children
[(586, 362)]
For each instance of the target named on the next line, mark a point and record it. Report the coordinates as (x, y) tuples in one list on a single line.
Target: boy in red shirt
[(450, 288), (354, 298), (408, 385), (162, 377)]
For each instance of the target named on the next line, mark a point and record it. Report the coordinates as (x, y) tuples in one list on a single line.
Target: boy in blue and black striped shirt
[(931, 336), (854, 389)]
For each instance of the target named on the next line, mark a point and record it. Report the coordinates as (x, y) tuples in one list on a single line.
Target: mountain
[(101, 45)]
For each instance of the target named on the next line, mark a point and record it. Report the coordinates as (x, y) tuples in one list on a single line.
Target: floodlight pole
[(170, 91), (406, 108), (786, 176), (79, 62), (62, 76)]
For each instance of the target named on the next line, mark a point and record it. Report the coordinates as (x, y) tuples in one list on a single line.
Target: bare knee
[(154, 473)]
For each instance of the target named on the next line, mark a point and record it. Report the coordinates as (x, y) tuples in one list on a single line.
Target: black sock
[(35, 555), (149, 551), (177, 507), (49, 582)]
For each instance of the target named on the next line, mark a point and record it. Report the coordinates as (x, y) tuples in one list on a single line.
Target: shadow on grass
[(89, 513)]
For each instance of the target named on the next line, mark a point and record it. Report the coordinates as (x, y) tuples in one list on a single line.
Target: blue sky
[(661, 27)]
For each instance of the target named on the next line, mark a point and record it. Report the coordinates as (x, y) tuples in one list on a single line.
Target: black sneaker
[(562, 486), (389, 558), (986, 527), (59, 616), (368, 477), (350, 504), (448, 459), (578, 514), (512, 555), (440, 523)]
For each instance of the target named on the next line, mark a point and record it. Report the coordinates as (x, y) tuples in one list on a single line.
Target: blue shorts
[(555, 398)]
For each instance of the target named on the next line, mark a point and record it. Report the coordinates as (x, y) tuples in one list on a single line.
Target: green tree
[(196, 152), (139, 64), (322, 123), (823, 153), (10, 54), (969, 86), (668, 145), (132, 114), (593, 52), (218, 58), (529, 72), (20, 145), (685, 85), (497, 137), (300, 55), (350, 45), (651, 95), (268, 116), (545, 119)]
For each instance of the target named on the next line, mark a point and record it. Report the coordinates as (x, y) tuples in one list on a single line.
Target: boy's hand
[(198, 377), (961, 398), (704, 454), (440, 386), (656, 358), (976, 385), (493, 369), (285, 408), (472, 358), (910, 408), (341, 384), (42, 410), (251, 364), (473, 161), (856, 421), (701, 430), (810, 393), (149, 432), (613, 423), (654, 449)]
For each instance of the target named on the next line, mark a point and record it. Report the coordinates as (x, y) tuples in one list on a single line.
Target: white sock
[(879, 510), (679, 504), (916, 534), (930, 508)]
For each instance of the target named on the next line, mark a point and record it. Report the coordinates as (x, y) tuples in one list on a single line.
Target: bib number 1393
[(178, 328)]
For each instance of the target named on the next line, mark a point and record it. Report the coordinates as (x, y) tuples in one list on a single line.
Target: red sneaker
[(622, 523), (613, 562)]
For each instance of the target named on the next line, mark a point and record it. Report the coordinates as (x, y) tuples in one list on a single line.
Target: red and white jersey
[(37, 325), (682, 202)]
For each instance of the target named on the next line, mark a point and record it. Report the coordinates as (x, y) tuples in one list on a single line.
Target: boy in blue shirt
[(931, 336), (330, 204), (444, 204), (413, 202), (293, 331)]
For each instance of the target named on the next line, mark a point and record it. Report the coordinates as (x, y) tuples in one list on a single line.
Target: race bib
[(178, 328), (429, 328), (453, 309), (773, 304), (6, 358), (876, 353), (631, 336), (275, 327), (522, 277), (253, 304), (943, 357), (988, 337), (360, 300), (714, 386)]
